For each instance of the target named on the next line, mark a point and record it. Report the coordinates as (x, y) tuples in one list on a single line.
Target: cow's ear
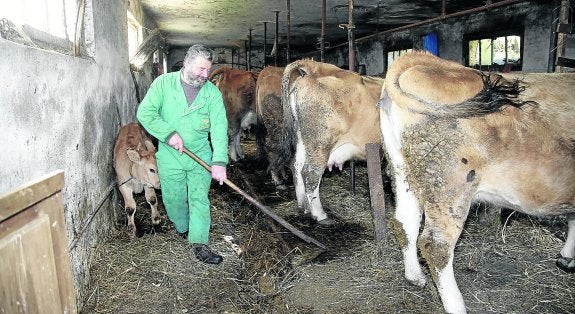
[(133, 155), (150, 146)]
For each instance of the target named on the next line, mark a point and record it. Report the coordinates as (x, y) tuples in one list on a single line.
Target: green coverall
[(185, 183)]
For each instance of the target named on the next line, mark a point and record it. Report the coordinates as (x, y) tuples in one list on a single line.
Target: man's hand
[(176, 142), (219, 173)]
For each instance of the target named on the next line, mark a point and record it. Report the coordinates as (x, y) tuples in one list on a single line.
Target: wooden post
[(376, 189)]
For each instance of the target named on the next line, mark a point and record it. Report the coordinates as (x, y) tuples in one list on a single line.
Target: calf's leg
[(153, 201), (130, 208)]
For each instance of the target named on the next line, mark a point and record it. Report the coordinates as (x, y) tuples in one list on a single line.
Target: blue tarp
[(430, 43)]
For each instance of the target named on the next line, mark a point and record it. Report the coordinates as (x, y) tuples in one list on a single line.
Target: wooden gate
[(35, 274)]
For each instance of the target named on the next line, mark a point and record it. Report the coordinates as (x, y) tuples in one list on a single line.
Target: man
[(181, 109)]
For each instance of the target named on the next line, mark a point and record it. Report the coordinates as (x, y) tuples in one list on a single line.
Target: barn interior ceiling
[(229, 23)]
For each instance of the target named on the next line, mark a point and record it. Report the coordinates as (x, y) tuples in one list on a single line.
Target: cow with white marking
[(454, 136), (136, 171), (329, 115)]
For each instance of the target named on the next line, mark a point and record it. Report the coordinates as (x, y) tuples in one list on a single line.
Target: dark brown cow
[(136, 171), (270, 120), (238, 90), (455, 136), (329, 116)]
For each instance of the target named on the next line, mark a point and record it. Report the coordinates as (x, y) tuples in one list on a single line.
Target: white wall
[(63, 112)]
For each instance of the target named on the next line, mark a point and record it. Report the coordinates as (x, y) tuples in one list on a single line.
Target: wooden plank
[(25, 196), (11, 278), (29, 257), (565, 62), (376, 189)]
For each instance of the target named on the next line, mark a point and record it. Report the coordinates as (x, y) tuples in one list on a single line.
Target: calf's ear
[(133, 155), (150, 146)]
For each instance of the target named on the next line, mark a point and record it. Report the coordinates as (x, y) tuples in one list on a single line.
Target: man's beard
[(195, 81), (198, 81)]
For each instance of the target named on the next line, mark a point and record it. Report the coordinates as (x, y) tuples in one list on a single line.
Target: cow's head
[(144, 166)]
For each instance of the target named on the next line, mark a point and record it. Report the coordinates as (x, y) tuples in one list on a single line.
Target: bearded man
[(182, 109)]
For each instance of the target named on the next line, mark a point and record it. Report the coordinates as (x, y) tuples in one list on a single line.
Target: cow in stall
[(270, 120), (454, 136), (238, 90), (329, 115), (136, 171)]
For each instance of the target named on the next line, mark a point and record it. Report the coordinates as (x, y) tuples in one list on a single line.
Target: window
[(497, 53), (393, 55), (135, 34), (47, 24)]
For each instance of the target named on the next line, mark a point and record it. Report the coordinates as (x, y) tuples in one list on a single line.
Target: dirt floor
[(500, 267)]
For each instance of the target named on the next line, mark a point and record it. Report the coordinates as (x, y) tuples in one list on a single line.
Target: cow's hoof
[(281, 187), (326, 222), (566, 264)]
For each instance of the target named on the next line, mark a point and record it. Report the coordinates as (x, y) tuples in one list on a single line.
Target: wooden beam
[(376, 189)]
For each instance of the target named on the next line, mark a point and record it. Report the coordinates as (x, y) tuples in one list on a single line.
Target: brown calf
[(136, 171)]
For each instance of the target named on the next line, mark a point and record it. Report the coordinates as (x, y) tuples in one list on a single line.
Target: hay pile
[(499, 270)]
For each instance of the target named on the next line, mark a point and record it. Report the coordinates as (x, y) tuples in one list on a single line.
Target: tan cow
[(455, 136), (238, 90), (136, 171), (329, 116)]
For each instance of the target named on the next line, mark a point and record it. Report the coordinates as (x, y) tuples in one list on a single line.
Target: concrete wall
[(63, 112), (535, 18)]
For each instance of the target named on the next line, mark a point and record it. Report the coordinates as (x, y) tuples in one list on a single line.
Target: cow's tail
[(289, 123), (425, 84)]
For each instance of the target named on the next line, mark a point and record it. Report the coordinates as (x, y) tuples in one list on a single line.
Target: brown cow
[(329, 117), (238, 89), (455, 136), (270, 120), (136, 170)]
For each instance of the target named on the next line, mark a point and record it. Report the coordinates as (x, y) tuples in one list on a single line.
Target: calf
[(238, 89), (454, 136), (329, 116), (136, 170)]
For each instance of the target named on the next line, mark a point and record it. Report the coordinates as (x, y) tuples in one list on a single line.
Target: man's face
[(196, 72)]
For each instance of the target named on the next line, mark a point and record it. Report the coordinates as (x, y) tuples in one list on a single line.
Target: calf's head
[(144, 167)]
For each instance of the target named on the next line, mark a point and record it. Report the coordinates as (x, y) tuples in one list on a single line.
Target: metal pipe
[(439, 18), (322, 38), (288, 31), (249, 60), (246, 54), (276, 44), (265, 42), (350, 36), (351, 62)]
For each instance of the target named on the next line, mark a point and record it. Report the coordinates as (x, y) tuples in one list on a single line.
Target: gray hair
[(199, 51)]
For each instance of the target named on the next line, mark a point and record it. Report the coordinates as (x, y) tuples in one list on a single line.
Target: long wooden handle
[(266, 210)]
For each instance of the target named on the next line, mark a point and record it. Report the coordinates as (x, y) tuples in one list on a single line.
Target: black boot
[(204, 254)]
